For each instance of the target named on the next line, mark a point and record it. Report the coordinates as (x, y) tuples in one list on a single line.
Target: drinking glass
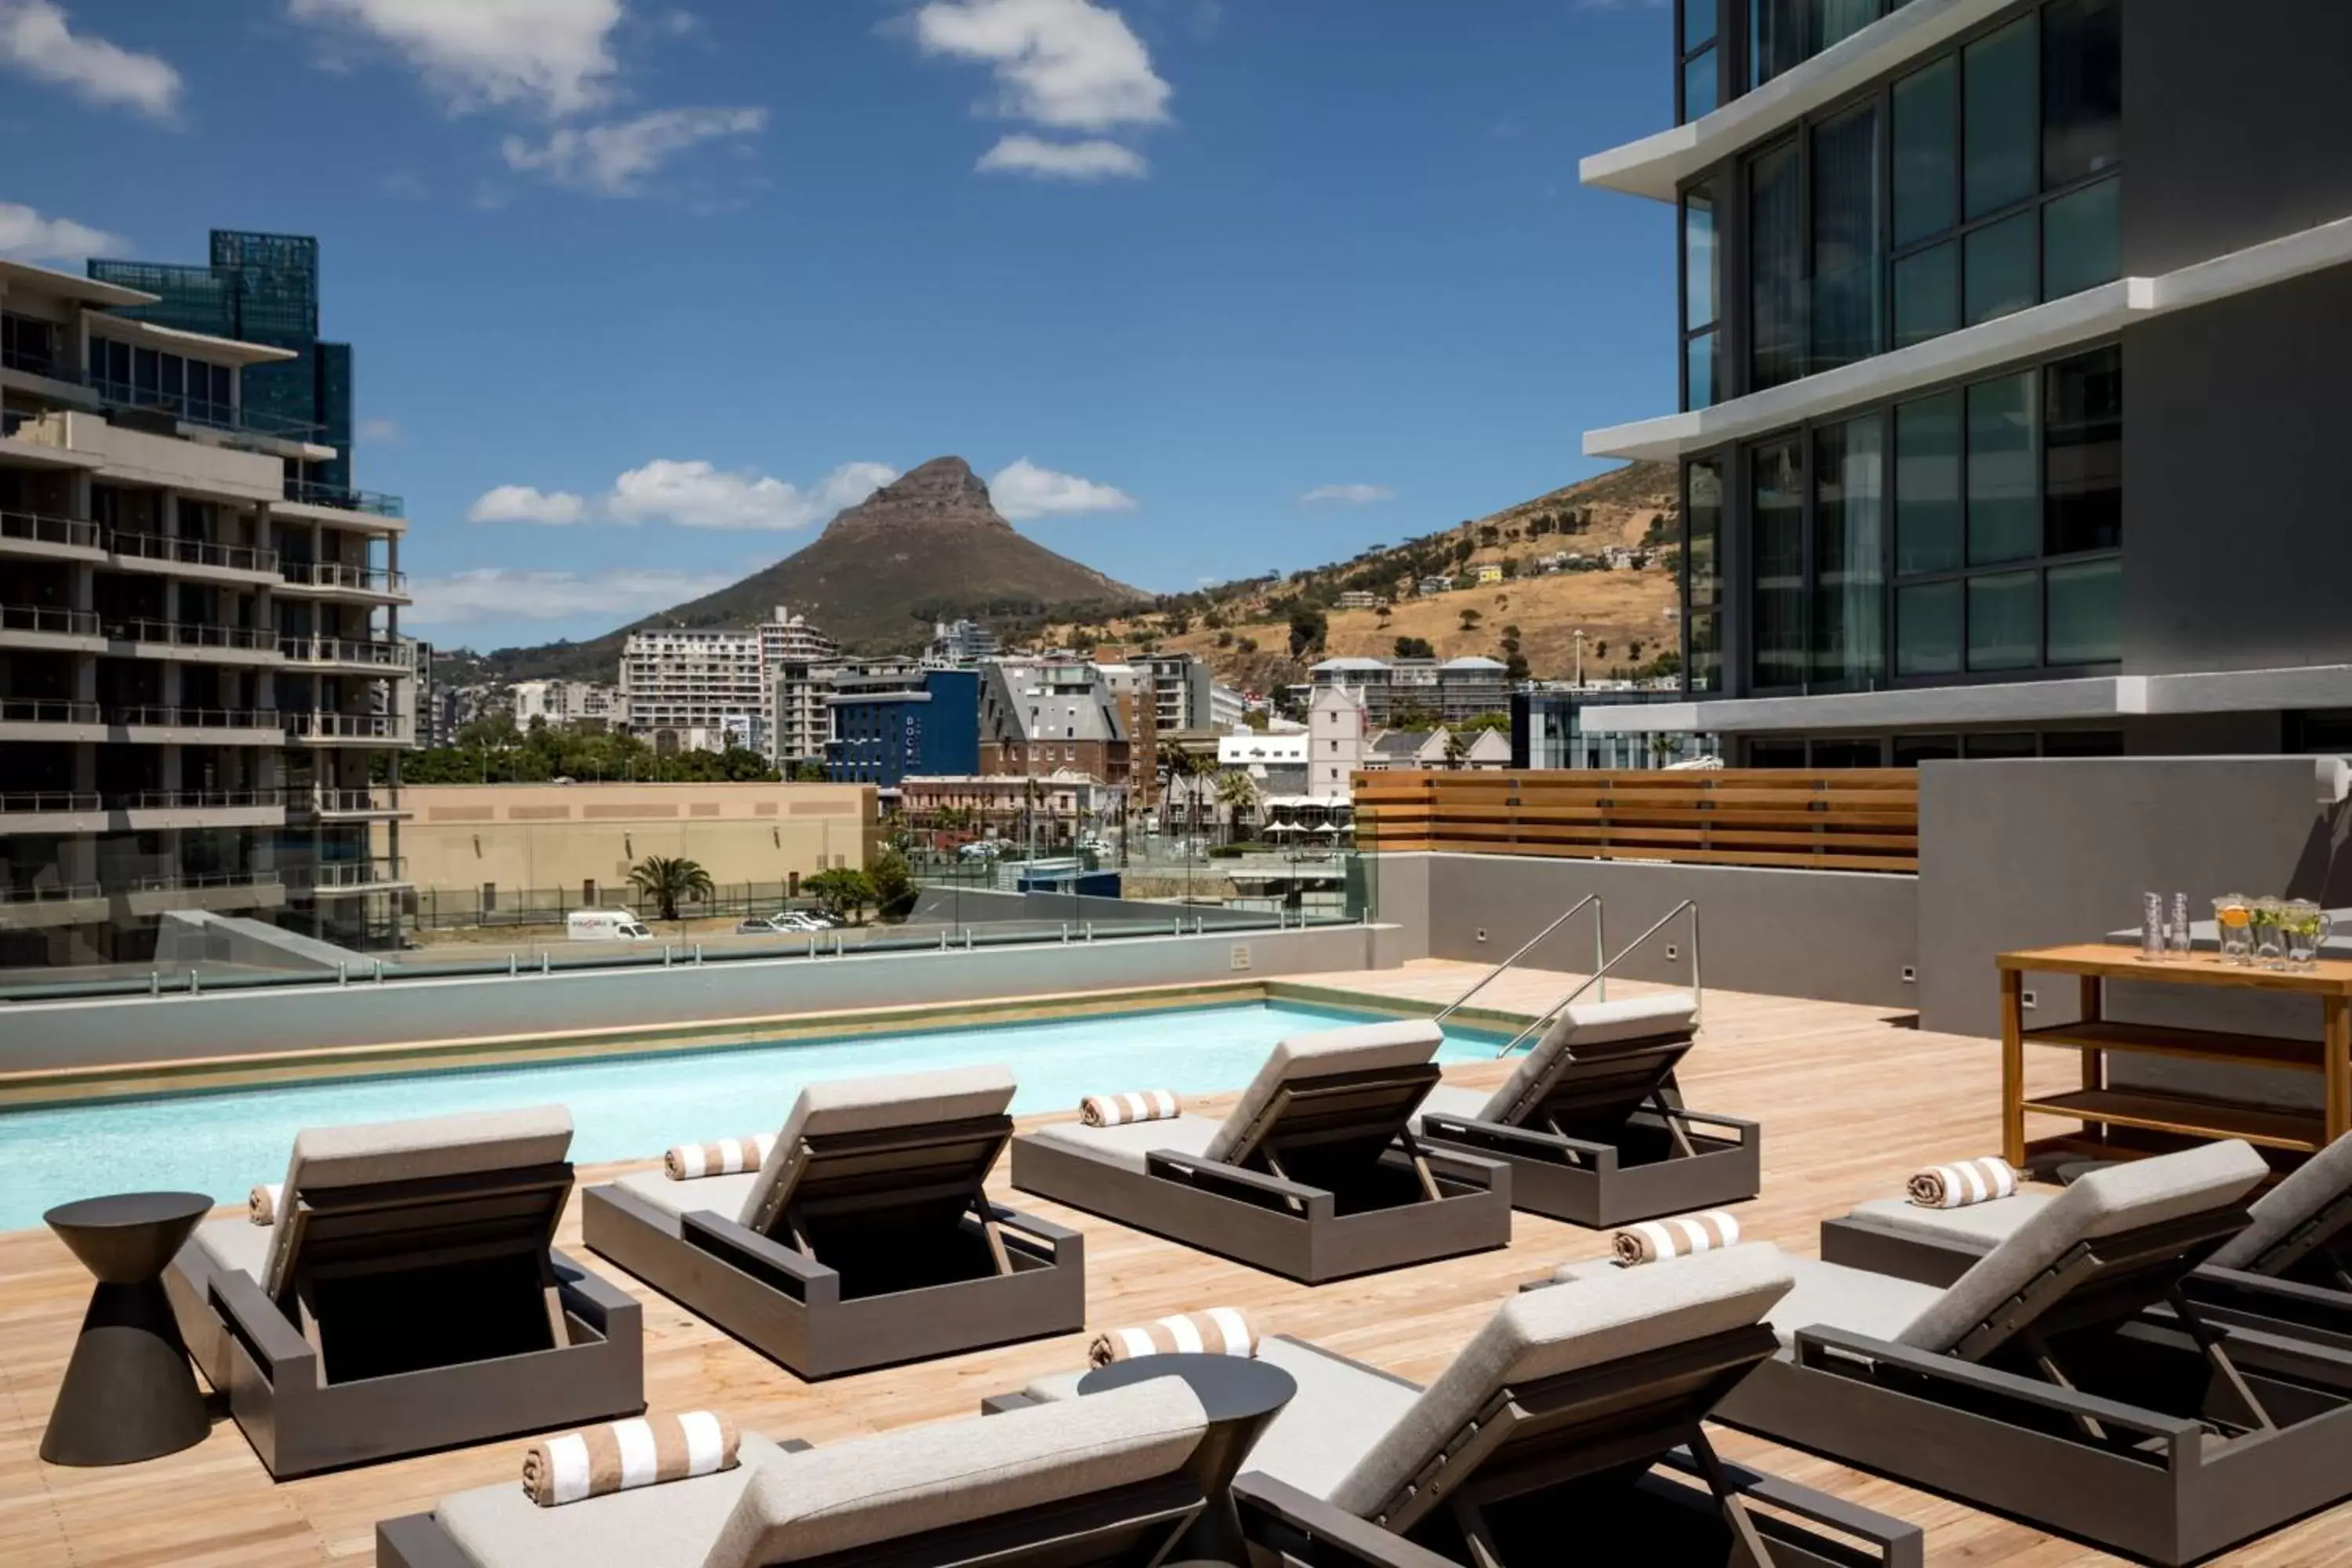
[(2234, 915), (2270, 934), (2307, 926), (2151, 928)]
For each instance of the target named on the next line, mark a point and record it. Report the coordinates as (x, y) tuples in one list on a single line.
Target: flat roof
[(232, 350), (73, 285)]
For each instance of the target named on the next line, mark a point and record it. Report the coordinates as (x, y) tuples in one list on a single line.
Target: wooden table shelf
[(2099, 1106)]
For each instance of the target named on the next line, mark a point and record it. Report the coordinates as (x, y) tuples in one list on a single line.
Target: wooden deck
[(1800, 1068)]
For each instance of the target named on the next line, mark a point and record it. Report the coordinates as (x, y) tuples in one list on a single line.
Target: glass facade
[(1847, 263), (1849, 552), (1698, 79), (1785, 33), (1702, 295), (1777, 518), (1776, 267), (1703, 576)]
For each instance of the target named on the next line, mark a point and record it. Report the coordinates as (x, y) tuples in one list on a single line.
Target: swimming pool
[(632, 1108)]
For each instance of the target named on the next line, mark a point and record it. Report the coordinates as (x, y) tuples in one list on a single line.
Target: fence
[(444, 908), (1861, 819)]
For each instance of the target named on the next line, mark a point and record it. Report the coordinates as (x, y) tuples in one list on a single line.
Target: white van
[(605, 925)]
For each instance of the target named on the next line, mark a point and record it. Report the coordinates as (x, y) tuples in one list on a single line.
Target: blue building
[(887, 727)]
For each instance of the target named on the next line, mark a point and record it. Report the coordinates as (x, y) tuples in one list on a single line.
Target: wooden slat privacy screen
[(1862, 819)]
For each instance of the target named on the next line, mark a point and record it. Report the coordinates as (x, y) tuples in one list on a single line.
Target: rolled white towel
[(1218, 1330), (1653, 1240), (1118, 1109), (728, 1157), (620, 1455), (1958, 1186), (261, 1203)]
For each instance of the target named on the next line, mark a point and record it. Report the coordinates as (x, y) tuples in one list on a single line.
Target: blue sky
[(641, 291)]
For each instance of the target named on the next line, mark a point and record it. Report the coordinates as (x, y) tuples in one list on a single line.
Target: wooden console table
[(2099, 1106)]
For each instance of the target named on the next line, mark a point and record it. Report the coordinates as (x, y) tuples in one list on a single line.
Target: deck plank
[(1852, 1099)]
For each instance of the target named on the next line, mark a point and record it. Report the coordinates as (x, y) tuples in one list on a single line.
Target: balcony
[(49, 719), (333, 577), (371, 654), (342, 878), (344, 805), (23, 626), (248, 726), (160, 809), (383, 729), (342, 498), (198, 635), (51, 811), (141, 549), (30, 533), (79, 903)]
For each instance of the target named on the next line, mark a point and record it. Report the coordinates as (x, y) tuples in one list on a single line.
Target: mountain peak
[(944, 492)]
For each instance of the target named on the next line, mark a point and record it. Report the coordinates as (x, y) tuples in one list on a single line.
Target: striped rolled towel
[(261, 1203), (1958, 1186), (624, 1454), (1220, 1330), (728, 1157), (1118, 1109), (1655, 1240)]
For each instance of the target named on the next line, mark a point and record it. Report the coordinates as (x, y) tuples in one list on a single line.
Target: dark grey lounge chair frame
[(922, 1185), (2300, 1285), (329, 1375), (2084, 1405), (1619, 1423), (1611, 1142), (1333, 1183), (1132, 1527)]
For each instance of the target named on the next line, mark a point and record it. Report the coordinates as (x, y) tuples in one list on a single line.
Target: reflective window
[(1784, 33), (2086, 613), (1927, 294), (2002, 107), (1848, 544), (2082, 240), (1698, 24), (1926, 152), (1910, 751), (2001, 745), (2000, 263), (2082, 453), (2082, 88), (1777, 509), (1777, 247), (1699, 90), (1927, 629), (1702, 575), (1702, 296), (1845, 238), (1927, 485), (2004, 620), (2004, 520)]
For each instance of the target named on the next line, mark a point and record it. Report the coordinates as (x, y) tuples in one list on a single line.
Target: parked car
[(758, 925), (605, 925), (800, 921), (980, 849)]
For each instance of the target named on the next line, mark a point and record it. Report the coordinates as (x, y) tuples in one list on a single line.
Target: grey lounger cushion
[(2318, 1182), (2120, 1197), (903, 1483), (1855, 1299), (721, 1196), (430, 1146), (1584, 1026), (1362, 1047), (666, 1526), (1544, 1334), (868, 1105), (1450, 1100), (1127, 1145), (235, 1244), (1981, 1227)]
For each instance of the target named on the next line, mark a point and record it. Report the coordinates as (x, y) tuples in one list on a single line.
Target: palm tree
[(665, 881), (1237, 792), (1175, 763)]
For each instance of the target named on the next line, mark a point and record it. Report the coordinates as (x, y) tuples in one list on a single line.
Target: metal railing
[(1698, 996), (309, 492), (37, 528), (193, 634), (151, 715), (349, 873), (46, 711), (48, 618), (322, 799), (345, 726), (55, 893), (1600, 948), (234, 418), (43, 800), (333, 574), (192, 881), (343, 650), (192, 552), (195, 799)]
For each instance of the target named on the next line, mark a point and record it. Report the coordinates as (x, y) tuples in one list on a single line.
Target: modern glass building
[(262, 288), (886, 728), (2007, 333)]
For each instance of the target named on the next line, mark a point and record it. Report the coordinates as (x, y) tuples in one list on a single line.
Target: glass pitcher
[(2307, 926), (2233, 915), (2270, 934)]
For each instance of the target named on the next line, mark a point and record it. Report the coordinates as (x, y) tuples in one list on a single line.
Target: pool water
[(632, 1108)]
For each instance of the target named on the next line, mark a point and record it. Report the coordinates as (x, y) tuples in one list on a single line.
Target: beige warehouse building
[(506, 842)]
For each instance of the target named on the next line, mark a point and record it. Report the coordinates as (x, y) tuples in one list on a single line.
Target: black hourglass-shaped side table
[(128, 1392)]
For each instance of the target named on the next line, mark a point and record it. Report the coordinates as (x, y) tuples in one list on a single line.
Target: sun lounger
[(406, 1297), (1591, 1124), (1316, 1174), (864, 1239), (1100, 1480), (2067, 1378), (1574, 1414)]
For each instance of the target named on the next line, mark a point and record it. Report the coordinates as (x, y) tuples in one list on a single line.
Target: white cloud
[(36, 38), (504, 593), (1025, 491), (379, 432), (553, 57), (1070, 64), (522, 503), (698, 495), (1094, 160), (27, 236), (1347, 495), (614, 159)]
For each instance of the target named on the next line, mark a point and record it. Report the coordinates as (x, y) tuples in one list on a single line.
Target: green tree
[(1478, 723), (1470, 620), (1237, 792), (1417, 647), (894, 885), (844, 892), (808, 770), (668, 881), (1308, 627)]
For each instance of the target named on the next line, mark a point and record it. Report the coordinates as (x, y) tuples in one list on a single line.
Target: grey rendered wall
[(2236, 126), (1830, 935), (2235, 552), (292, 1018), (2034, 854)]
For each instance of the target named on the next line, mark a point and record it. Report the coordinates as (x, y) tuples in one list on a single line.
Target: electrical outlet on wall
[(1673, 953), (1910, 974), (1482, 933), (2029, 1000)]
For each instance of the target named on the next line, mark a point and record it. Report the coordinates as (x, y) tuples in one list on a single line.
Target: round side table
[(128, 1392), (1241, 1396)]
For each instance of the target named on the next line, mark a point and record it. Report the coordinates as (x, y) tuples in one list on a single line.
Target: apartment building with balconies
[(695, 688), (198, 671), (2013, 338)]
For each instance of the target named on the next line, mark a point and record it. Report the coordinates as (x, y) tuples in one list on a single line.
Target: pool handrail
[(1599, 948), (1698, 996)]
